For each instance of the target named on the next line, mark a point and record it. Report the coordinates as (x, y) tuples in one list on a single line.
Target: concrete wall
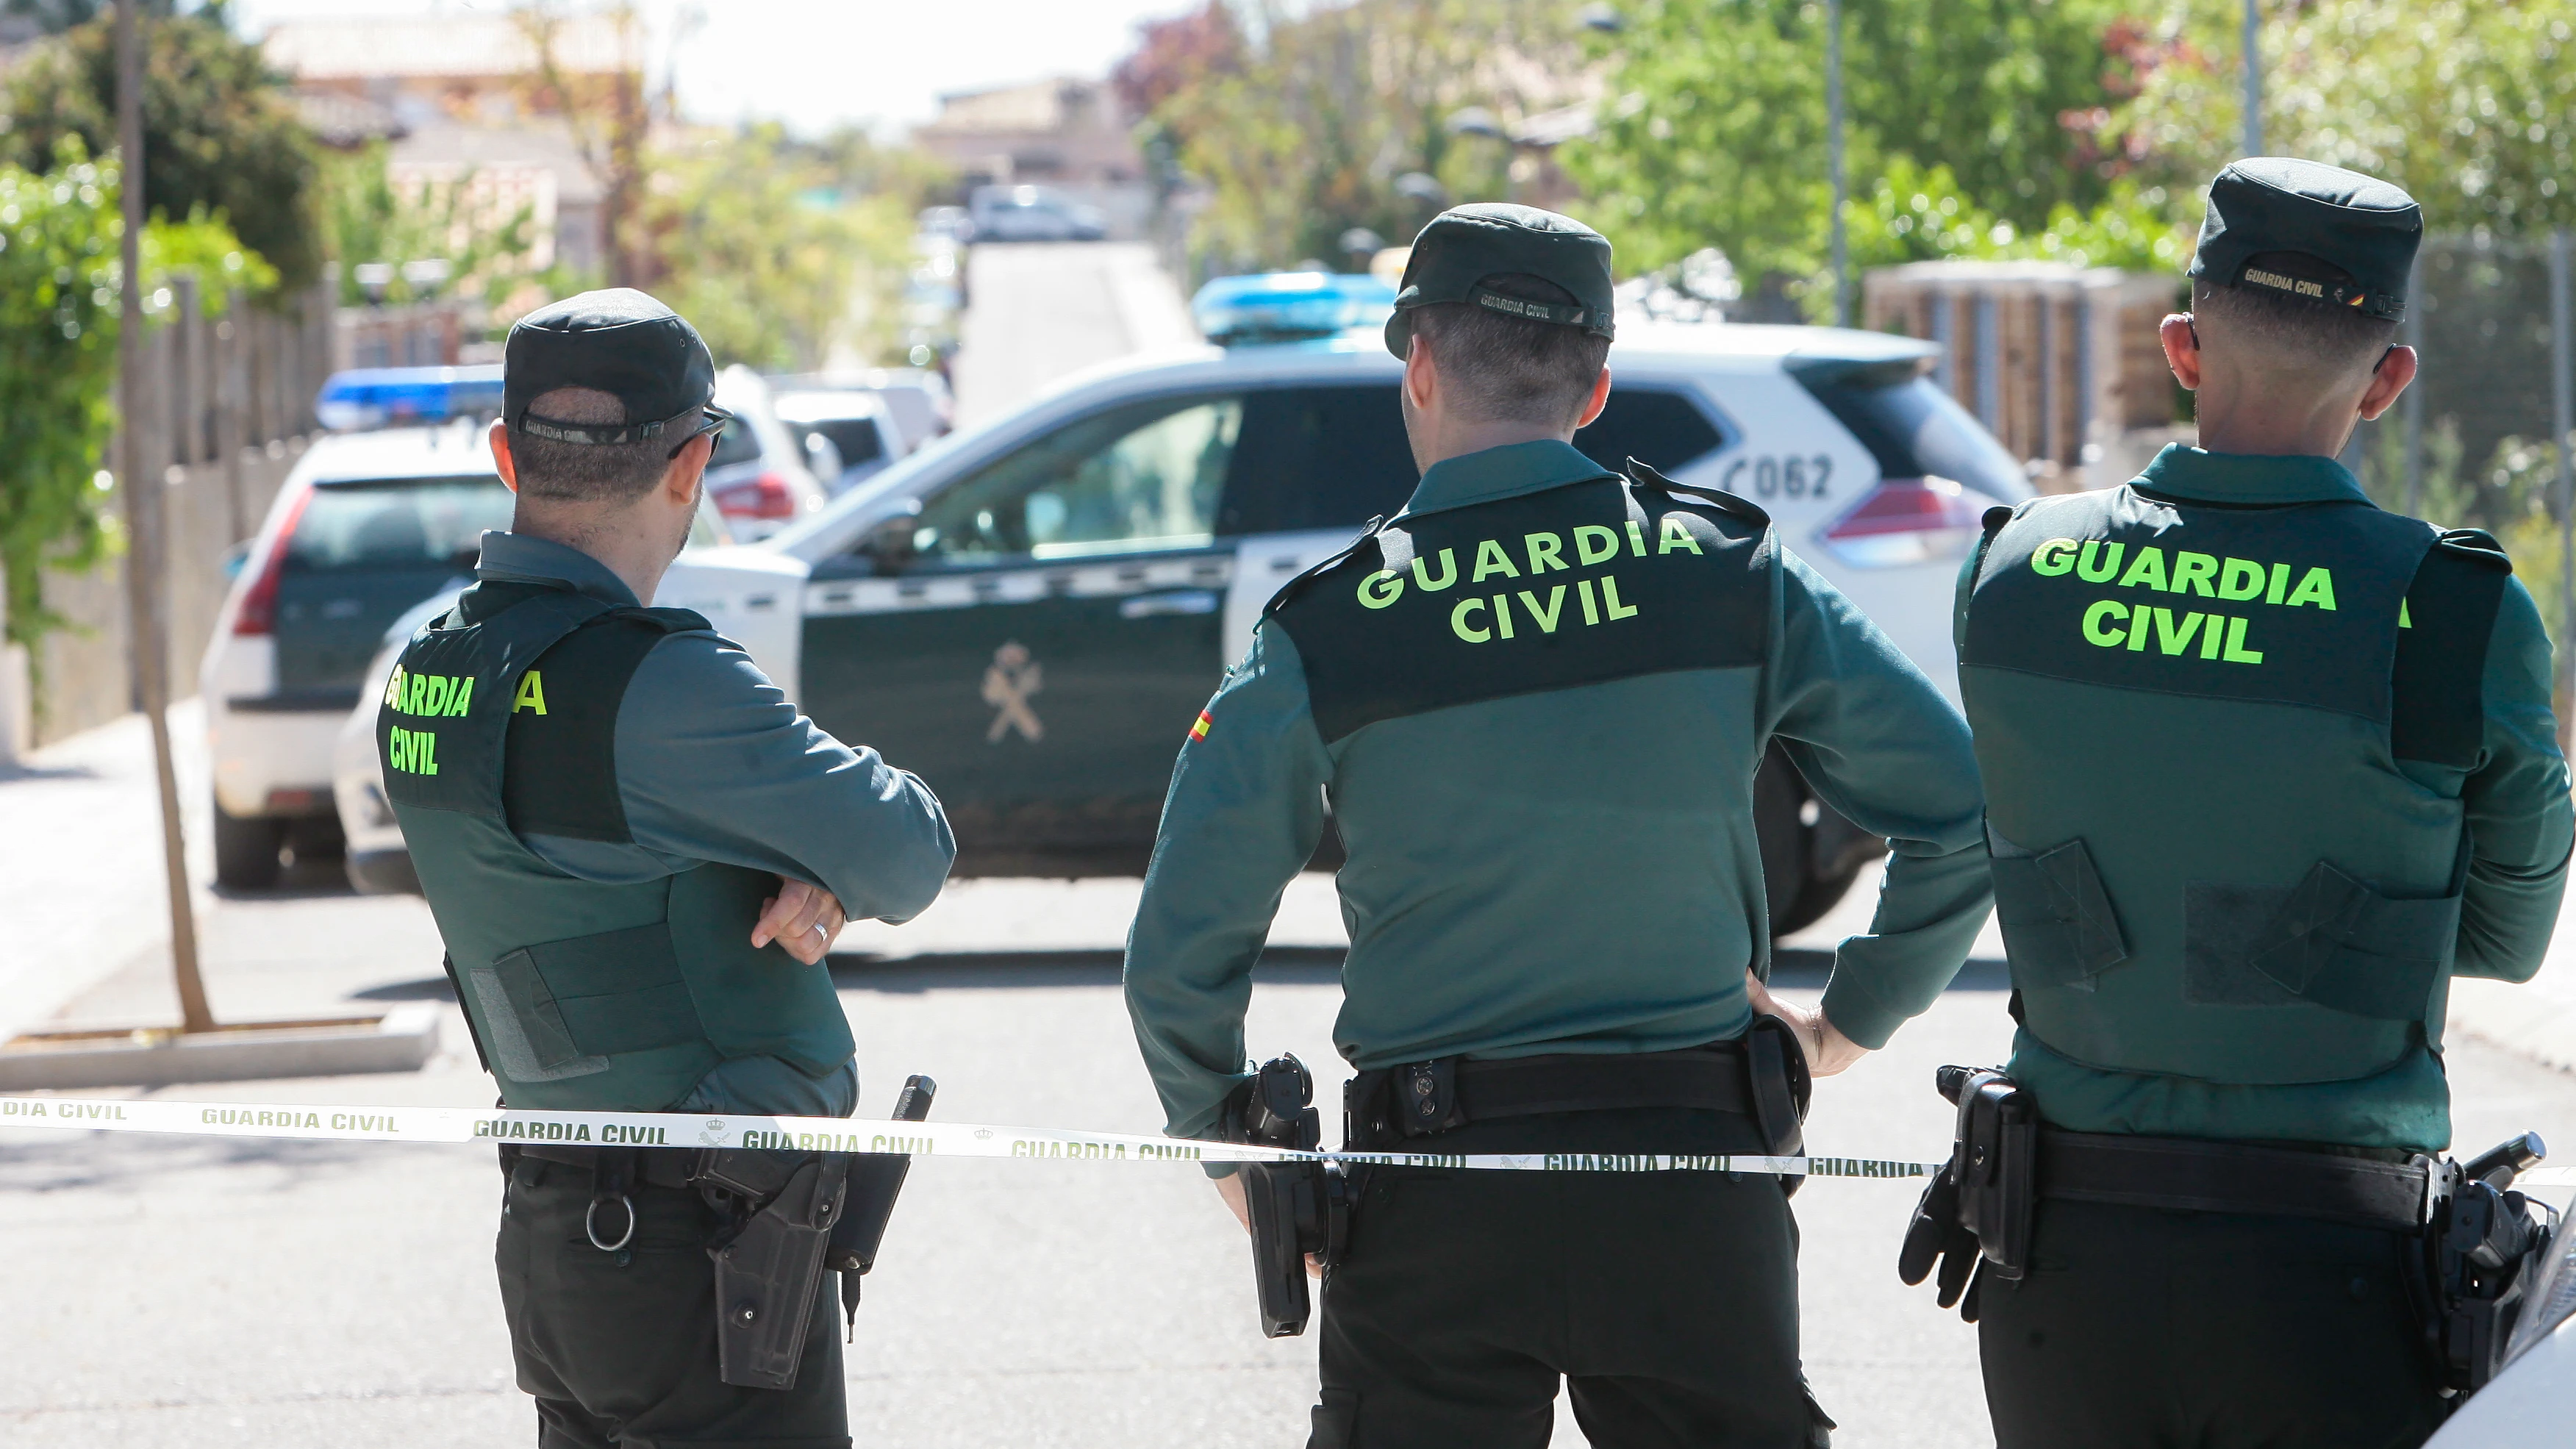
[(85, 672)]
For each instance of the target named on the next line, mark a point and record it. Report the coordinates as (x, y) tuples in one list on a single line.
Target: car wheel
[(317, 837), (246, 849)]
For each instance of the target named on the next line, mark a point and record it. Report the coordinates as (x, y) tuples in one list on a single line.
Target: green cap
[(1466, 246), (620, 342), (2331, 236)]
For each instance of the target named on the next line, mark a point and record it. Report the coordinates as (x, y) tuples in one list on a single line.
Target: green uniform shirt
[(1552, 869), (2514, 800)]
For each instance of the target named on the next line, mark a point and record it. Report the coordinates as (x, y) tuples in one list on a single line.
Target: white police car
[(1031, 614)]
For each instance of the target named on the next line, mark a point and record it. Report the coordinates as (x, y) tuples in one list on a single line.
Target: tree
[(369, 218), (2467, 104), (1718, 133), (219, 135), (752, 239), (59, 281), (1327, 115)]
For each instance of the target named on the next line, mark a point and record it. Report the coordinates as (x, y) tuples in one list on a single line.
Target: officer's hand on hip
[(1828, 1050), (801, 918)]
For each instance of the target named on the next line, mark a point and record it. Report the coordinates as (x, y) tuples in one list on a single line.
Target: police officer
[(2265, 766), (1534, 701), (638, 853)]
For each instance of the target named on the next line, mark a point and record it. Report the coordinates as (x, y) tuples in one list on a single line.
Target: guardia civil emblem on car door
[(1008, 682)]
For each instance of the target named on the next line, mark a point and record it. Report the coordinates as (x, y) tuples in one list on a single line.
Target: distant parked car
[(863, 437), (366, 527), (948, 223), (1033, 213), (762, 476), (916, 399)]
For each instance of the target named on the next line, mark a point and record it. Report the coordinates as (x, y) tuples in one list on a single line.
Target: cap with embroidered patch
[(620, 342), (2308, 230), (1463, 253)]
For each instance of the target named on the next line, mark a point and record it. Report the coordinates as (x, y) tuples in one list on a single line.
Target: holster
[(1994, 1164), (1297, 1208), (770, 1263), (2482, 1245), (1776, 1074)]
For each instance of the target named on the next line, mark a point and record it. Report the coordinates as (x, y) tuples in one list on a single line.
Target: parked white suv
[(367, 525)]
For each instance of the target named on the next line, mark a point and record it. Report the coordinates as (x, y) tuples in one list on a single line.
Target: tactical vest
[(1584, 583), (2189, 716), (581, 995)]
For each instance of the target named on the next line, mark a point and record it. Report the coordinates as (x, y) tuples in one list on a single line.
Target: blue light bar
[(1289, 306), (387, 397)]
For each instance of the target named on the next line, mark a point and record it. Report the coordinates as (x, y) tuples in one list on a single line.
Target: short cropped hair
[(1509, 368), (559, 472), (2280, 332)]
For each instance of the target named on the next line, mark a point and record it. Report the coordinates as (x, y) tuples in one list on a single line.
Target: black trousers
[(1668, 1302), (620, 1348), (2139, 1328)]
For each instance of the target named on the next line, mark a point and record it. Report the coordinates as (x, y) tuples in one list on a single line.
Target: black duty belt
[(2227, 1177), (652, 1166), (1422, 1098)]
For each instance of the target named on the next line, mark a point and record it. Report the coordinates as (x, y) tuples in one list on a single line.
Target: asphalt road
[(179, 1292)]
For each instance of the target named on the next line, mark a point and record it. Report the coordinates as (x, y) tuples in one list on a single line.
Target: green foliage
[(1302, 118), (219, 135), (2465, 103), (1718, 135), (757, 244), (1913, 215), (59, 269), (368, 218)]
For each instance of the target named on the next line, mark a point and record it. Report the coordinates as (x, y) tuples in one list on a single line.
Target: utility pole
[(2253, 80), (149, 632), (2562, 423), (1834, 157)]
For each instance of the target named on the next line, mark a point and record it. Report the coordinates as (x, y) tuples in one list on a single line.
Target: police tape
[(464, 1126), (451, 1125)]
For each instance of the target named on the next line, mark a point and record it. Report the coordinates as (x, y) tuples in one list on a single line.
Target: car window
[(1144, 476), (1656, 426), (1317, 457), (736, 444), (1910, 425), (396, 522), (855, 437)]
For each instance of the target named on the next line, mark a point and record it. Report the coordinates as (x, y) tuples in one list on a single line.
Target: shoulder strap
[(559, 771), (2438, 705), (1734, 503), (1288, 591)]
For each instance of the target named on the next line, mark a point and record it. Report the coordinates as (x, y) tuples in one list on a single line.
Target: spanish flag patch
[(1199, 731)]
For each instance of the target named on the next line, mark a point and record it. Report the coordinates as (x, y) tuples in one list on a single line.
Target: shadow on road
[(118, 1160)]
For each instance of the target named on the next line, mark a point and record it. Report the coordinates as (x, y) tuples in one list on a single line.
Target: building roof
[(447, 44)]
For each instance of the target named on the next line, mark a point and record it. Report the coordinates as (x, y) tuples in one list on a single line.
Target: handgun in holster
[(1775, 1068), (788, 1211), (1975, 1216), (1297, 1208), (2481, 1242)]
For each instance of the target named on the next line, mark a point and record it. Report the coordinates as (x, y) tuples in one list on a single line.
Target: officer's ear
[(1598, 399), (502, 462), (2182, 349), (687, 466), (1421, 372), (2396, 369)]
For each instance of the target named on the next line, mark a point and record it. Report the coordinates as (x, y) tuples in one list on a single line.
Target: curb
[(402, 1041)]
